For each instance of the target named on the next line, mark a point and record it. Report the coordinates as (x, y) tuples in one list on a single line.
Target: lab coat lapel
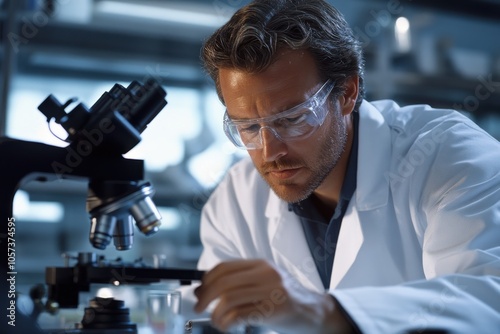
[(372, 189), (374, 153), (289, 244)]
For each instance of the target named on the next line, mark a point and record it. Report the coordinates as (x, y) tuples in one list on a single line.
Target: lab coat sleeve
[(455, 304), (456, 203)]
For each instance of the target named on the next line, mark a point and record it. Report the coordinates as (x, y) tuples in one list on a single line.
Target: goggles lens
[(296, 123)]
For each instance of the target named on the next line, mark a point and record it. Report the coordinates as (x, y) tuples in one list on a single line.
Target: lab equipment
[(117, 194)]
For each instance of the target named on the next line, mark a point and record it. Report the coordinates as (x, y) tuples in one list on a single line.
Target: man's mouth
[(284, 173)]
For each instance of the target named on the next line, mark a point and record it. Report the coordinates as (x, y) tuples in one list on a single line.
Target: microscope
[(117, 197)]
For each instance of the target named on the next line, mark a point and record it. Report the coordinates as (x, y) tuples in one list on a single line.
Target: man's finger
[(258, 297), (226, 268)]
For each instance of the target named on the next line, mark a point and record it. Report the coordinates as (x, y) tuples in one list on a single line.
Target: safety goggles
[(295, 123)]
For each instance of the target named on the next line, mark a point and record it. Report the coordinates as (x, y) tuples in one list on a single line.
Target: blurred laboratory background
[(442, 53)]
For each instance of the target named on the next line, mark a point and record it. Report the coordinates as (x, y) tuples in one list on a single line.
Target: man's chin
[(290, 193)]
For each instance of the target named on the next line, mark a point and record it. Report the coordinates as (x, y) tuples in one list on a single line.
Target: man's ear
[(348, 99)]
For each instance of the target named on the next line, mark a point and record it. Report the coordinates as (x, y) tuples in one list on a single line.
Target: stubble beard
[(332, 146)]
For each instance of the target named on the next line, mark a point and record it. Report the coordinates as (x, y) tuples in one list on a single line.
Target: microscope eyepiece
[(118, 116)]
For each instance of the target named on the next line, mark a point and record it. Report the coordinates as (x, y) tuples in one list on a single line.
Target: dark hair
[(252, 37)]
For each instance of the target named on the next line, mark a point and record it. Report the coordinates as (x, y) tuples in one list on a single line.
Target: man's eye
[(292, 120), (250, 128)]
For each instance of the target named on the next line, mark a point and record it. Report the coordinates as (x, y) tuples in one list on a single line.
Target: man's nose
[(273, 147)]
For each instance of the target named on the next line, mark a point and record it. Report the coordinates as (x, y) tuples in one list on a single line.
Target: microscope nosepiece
[(113, 207)]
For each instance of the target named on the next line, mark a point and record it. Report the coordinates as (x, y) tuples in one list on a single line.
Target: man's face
[(293, 169)]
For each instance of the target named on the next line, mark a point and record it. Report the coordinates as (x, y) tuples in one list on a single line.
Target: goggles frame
[(313, 105)]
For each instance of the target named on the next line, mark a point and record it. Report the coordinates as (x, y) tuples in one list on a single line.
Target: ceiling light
[(167, 14)]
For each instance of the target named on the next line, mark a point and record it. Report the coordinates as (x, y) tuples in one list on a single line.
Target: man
[(349, 216)]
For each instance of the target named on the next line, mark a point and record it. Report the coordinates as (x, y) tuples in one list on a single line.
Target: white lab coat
[(419, 246)]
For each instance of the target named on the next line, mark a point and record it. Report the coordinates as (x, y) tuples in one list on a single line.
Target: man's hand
[(255, 292)]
